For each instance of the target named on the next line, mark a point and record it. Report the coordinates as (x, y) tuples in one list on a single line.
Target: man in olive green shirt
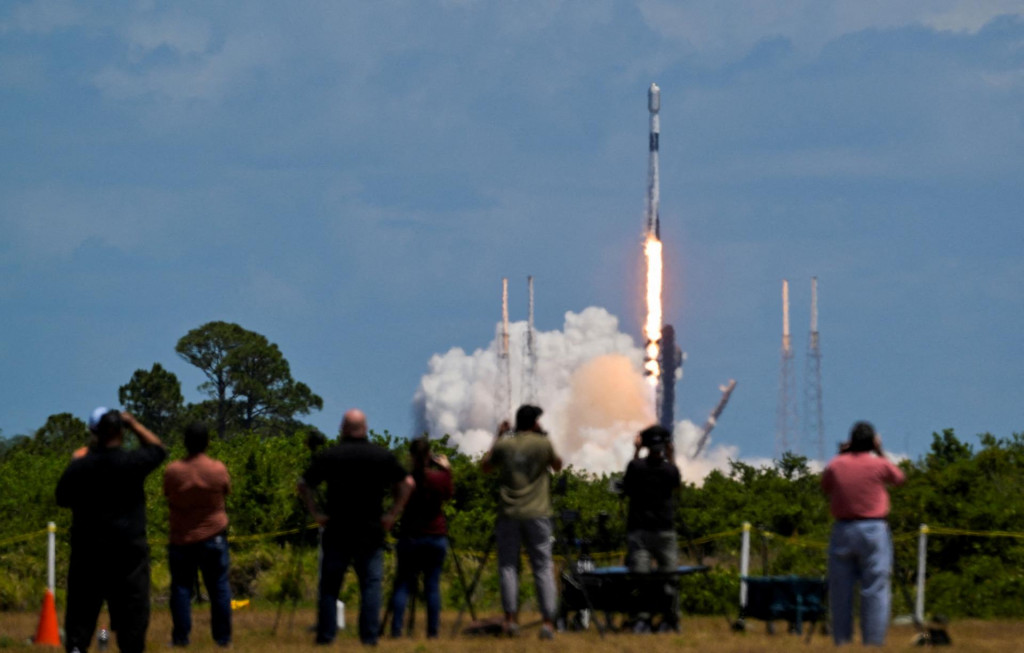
[(523, 461)]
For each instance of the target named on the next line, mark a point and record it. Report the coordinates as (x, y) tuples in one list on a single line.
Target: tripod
[(575, 567), (471, 588), (292, 584)]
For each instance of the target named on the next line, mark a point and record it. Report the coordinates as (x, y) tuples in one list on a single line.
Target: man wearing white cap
[(109, 552)]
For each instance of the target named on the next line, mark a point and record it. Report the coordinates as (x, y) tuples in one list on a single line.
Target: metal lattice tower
[(786, 417), (530, 362), (503, 385), (814, 421)]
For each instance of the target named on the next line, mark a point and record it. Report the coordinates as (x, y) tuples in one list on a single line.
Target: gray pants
[(663, 548), (645, 546), (536, 535)]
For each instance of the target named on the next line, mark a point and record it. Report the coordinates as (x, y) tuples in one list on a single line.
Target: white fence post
[(51, 557), (922, 558), (744, 564)]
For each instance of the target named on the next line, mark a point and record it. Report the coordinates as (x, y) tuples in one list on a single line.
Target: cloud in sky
[(353, 180)]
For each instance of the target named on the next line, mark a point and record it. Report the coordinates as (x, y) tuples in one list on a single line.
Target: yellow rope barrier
[(793, 540), (267, 536), (21, 538), (939, 530)]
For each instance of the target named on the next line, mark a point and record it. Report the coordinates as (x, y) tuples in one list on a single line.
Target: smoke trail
[(589, 380)]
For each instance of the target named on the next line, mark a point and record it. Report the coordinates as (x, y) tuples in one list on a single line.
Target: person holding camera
[(109, 553), (523, 461), (422, 536), (196, 488), (358, 473), (650, 484), (860, 547)]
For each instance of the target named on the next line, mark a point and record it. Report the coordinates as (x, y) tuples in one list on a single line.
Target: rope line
[(20, 538), (792, 540), (939, 530)]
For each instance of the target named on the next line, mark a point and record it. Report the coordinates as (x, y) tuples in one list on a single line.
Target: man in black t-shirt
[(109, 552), (651, 483), (358, 473)]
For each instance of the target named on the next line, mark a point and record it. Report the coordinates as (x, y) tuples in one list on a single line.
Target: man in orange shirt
[(196, 487)]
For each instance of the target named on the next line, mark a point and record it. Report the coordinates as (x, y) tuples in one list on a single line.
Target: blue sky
[(353, 180)]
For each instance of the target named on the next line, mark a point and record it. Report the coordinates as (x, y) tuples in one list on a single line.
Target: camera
[(655, 437)]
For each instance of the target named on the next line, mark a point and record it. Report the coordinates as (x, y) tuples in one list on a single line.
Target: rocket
[(726, 391), (653, 106)]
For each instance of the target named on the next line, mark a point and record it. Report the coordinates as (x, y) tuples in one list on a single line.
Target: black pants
[(117, 574)]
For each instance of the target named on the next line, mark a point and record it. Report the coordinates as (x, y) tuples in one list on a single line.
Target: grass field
[(253, 632)]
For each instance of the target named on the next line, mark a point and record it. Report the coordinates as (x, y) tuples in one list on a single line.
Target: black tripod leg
[(472, 587), (410, 626), (462, 578), (389, 606)]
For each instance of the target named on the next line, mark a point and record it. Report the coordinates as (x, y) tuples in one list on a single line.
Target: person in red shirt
[(422, 540), (196, 488), (860, 547)]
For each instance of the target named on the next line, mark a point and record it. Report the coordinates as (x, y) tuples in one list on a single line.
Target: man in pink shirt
[(196, 487), (860, 548)]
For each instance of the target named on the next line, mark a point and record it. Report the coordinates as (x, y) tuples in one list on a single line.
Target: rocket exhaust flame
[(652, 326)]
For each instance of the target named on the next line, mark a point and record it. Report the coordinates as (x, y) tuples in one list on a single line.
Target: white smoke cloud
[(588, 380)]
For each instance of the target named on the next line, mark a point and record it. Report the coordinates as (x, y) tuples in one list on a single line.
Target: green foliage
[(20, 590), (154, 397), (247, 377), (62, 432), (956, 485)]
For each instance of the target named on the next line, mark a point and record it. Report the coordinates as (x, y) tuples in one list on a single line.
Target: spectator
[(860, 547), (109, 552), (423, 541), (523, 462), (196, 488), (357, 473), (650, 483)]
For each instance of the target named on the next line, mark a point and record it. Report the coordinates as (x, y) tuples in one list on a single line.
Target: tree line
[(253, 402)]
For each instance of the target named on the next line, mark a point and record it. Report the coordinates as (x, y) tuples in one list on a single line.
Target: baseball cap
[(96, 416)]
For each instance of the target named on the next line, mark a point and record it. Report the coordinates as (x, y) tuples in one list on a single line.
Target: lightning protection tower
[(503, 387), (786, 424), (814, 421), (530, 362)]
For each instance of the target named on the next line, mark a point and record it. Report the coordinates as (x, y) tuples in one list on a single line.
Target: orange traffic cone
[(47, 633)]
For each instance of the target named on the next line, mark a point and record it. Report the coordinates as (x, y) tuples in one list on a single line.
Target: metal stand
[(472, 586), (291, 586), (572, 574)]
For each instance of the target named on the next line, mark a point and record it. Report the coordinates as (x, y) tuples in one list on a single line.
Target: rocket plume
[(652, 326), (589, 382), (652, 248)]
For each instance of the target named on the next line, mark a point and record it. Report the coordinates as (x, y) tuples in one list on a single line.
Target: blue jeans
[(419, 555), (860, 550), (368, 563), (210, 557)]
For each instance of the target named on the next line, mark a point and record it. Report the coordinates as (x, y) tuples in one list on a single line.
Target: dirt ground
[(254, 632)]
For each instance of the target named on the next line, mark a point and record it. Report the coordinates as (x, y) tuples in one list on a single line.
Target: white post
[(744, 564), (922, 556), (51, 557)]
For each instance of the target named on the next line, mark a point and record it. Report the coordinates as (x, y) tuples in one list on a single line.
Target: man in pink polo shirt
[(196, 487), (860, 548)]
